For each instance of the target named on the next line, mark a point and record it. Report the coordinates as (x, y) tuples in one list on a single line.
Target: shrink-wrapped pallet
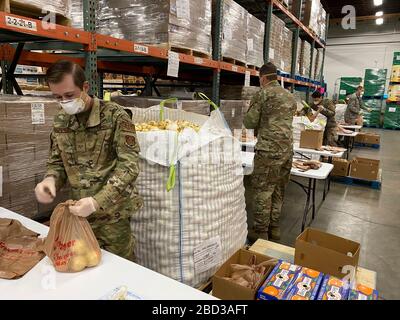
[(255, 41)]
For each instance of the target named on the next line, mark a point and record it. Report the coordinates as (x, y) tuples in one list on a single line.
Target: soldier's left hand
[(84, 207)]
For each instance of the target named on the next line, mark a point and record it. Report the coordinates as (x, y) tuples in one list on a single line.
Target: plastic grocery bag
[(71, 244), (20, 249)]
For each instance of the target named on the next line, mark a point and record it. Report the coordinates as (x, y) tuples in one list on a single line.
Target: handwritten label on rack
[(247, 79), (37, 111), (173, 64), (198, 60), (20, 23), (207, 255), (235, 69), (141, 49)]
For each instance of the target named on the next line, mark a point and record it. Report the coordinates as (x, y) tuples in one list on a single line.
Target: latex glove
[(84, 207), (46, 190)]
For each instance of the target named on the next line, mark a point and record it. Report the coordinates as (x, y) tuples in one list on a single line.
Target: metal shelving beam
[(89, 21), (217, 49), (267, 36)]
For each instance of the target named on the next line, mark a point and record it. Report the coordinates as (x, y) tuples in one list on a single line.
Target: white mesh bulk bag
[(302, 123), (205, 205)]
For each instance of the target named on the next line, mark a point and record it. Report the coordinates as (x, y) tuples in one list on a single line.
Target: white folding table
[(44, 283), (351, 127), (310, 189)]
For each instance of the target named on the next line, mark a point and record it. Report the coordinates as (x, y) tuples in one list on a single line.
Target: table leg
[(307, 208), (325, 188), (313, 198)]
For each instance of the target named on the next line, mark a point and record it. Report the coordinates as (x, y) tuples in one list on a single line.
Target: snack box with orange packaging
[(279, 281), (306, 286), (361, 292), (333, 289)]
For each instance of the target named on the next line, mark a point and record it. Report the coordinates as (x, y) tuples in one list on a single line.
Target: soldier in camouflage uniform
[(271, 116), (94, 148), (327, 108), (355, 104)]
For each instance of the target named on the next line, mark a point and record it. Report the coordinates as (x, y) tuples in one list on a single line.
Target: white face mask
[(73, 106)]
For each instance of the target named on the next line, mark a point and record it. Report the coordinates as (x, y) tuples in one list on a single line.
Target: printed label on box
[(183, 9), (207, 255), (227, 33), (233, 113), (282, 65), (250, 44), (392, 109), (173, 64), (343, 92), (247, 79), (271, 53), (37, 111), (179, 105)]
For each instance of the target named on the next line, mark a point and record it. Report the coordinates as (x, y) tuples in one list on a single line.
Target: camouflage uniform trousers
[(116, 237), (330, 137), (265, 190)]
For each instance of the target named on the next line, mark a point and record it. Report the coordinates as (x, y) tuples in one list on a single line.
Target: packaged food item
[(360, 292), (178, 125), (279, 281), (333, 289), (306, 285)]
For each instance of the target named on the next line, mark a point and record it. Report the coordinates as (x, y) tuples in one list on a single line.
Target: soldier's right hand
[(46, 190)]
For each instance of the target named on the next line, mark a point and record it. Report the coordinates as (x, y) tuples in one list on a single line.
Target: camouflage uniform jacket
[(271, 116), (354, 108), (99, 160), (329, 112)]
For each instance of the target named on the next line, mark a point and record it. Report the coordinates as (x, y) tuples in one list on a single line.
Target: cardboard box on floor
[(368, 137), (341, 167), (326, 253), (311, 139), (363, 168), (227, 290)]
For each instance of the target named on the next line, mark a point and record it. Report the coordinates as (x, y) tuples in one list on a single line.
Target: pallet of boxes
[(324, 267), (25, 124), (359, 171)]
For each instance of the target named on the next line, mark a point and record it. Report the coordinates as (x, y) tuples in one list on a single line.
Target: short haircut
[(268, 69), (57, 72), (316, 95), (360, 88)]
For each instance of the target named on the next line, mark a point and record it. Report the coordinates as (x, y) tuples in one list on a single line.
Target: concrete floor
[(370, 217)]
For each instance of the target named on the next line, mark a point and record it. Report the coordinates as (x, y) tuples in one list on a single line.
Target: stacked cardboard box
[(310, 14), (195, 106), (255, 41), (368, 138), (366, 169), (396, 59), (171, 23), (375, 82), (394, 93), (25, 124), (314, 64), (234, 29), (395, 77), (341, 167), (305, 60), (392, 116), (281, 42), (234, 111), (318, 64), (232, 92)]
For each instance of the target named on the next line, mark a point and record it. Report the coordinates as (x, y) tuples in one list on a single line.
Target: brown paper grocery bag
[(71, 244), (20, 249)]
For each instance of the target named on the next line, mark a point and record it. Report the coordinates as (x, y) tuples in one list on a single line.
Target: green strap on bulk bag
[(211, 103), (162, 106), (172, 169)]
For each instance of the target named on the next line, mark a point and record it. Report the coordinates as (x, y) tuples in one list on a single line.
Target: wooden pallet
[(30, 11), (249, 66), (374, 184), (234, 61), (367, 145), (189, 52)]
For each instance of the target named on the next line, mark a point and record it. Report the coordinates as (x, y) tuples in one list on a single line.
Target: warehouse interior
[(188, 78)]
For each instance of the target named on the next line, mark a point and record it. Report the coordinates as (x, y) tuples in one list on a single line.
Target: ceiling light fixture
[(378, 2), (379, 14), (379, 21)]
